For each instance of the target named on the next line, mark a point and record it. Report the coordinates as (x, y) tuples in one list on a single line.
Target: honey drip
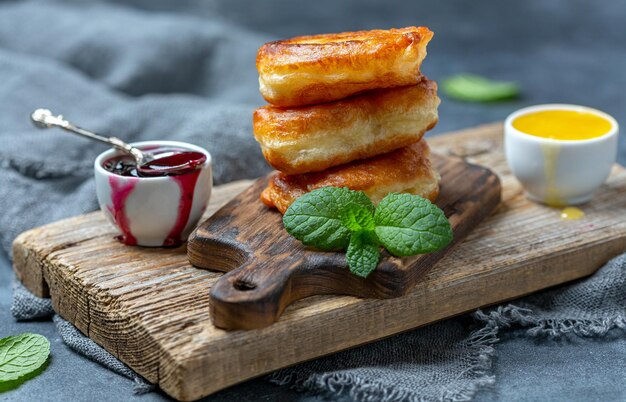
[(571, 214)]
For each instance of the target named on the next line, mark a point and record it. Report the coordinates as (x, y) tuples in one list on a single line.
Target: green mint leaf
[(408, 224), (21, 355), (363, 253), (473, 88), (333, 218), (325, 218), (359, 216)]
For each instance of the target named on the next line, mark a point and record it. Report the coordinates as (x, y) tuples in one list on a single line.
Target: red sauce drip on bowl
[(120, 190), (187, 184)]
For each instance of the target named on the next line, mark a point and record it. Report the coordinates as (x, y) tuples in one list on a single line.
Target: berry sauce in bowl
[(159, 202), (168, 161)]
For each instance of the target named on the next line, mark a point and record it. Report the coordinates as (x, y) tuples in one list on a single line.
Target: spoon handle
[(43, 118)]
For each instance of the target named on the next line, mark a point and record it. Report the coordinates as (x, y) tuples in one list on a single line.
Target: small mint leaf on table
[(21, 355), (474, 88), (408, 225), (363, 253), (323, 217)]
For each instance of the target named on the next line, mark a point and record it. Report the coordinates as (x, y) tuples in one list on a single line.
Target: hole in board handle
[(243, 285)]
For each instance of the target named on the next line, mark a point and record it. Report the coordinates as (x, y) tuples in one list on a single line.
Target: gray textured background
[(559, 50)]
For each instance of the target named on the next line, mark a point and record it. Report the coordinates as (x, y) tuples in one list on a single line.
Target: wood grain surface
[(151, 308), (268, 269)]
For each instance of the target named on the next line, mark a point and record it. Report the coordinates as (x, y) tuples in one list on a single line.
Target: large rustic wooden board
[(268, 269), (150, 307)]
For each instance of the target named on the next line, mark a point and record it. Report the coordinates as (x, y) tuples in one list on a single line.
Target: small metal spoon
[(43, 118)]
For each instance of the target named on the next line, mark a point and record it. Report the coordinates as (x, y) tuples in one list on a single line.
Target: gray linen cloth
[(161, 76)]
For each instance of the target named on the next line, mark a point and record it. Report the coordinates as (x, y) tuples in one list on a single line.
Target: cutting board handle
[(255, 291), (261, 281), (254, 294)]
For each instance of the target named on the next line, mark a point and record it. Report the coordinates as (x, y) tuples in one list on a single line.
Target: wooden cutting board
[(268, 269), (151, 308)]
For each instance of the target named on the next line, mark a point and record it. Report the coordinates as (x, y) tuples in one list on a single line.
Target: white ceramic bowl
[(560, 172), (153, 211)]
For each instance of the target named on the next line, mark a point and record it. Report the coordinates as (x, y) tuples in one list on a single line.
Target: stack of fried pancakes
[(347, 110)]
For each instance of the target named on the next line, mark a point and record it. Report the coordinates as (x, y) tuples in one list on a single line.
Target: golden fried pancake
[(314, 138), (406, 170), (322, 68)]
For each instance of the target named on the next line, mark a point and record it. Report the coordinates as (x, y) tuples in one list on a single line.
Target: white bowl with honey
[(560, 153)]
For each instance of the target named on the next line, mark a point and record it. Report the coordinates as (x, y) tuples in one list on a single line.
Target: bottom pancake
[(405, 170)]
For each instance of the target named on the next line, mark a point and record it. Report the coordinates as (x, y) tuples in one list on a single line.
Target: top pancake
[(321, 68)]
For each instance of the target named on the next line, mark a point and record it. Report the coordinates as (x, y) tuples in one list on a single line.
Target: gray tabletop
[(559, 51)]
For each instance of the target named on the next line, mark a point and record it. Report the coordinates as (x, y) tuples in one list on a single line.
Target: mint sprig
[(333, 218), (21, 357)]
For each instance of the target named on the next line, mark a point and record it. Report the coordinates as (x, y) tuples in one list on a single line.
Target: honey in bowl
[(565, 125), (560, 153)]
